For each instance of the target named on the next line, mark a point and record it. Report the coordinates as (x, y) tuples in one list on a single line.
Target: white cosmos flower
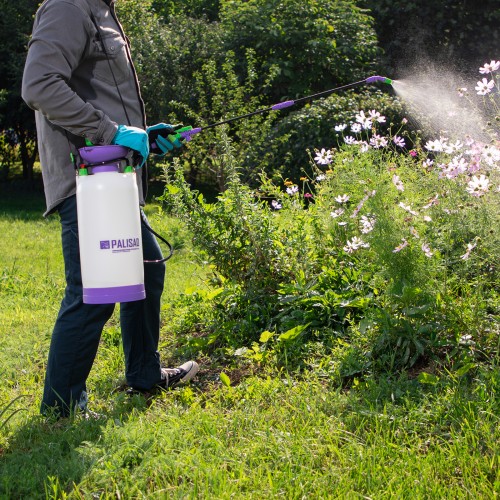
[(398, 182), (407, 208), (491, 155), (355, 244), (478, 185), (356, 128), (337, 213), (400, 247), (485, 86), (367, 223), (436, 145), (342, 198), (470, 247), (323, 157), (375, 115)]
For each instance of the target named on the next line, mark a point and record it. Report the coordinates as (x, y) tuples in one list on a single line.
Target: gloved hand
[(163, 138), (134, 138)]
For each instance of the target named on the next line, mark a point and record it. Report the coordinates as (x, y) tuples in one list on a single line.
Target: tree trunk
[(28, 149)]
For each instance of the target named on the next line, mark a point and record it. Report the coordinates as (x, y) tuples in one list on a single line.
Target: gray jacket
[(68, 82)]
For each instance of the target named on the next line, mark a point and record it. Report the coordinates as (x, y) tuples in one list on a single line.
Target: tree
[(312, 44), (15, 27)]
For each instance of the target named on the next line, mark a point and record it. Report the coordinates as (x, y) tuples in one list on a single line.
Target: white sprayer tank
[(109, 228)]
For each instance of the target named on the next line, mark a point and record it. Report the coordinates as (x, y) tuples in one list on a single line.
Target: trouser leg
[(77, 330), (140, 321)]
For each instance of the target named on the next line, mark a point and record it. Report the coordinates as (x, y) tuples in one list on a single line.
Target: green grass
[(266, 435)]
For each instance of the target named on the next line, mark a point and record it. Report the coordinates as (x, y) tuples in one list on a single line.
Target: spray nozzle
[(376, 78)]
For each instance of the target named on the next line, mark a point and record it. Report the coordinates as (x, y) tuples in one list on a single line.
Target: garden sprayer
[(187, 132), (109, 218)]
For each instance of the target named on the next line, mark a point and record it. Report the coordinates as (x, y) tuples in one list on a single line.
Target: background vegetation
[(264, 52)]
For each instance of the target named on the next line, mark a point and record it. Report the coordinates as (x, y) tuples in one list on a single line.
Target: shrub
[(379, 259)]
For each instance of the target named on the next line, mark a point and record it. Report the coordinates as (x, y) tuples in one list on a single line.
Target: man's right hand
[(134, 138)]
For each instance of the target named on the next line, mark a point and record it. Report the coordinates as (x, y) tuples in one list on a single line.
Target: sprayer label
[(124, 245)]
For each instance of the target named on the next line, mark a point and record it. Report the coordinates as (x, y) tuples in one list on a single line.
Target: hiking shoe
[(172, 377)]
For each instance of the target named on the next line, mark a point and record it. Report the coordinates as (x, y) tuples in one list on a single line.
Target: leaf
[(428, 378), (465, 369), (293, 333), (225, 379), (173, 189), (265, 336)]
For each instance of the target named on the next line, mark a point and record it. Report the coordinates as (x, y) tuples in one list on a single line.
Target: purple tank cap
[(113, 295), (99, 154), (111, 167), (284, 104)]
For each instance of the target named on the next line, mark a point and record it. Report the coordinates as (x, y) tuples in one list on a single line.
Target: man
[(80, 80)]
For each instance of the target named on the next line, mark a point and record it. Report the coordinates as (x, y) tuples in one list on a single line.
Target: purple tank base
[(101, 154), (113, 295)]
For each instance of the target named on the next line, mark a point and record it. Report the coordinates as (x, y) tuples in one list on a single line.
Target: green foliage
[(314, 45), (219, 94), (197, 9)]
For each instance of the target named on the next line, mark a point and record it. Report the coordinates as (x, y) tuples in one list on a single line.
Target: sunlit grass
[(267, 436)]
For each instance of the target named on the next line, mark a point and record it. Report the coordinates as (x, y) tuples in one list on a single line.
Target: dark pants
[(78, 327)]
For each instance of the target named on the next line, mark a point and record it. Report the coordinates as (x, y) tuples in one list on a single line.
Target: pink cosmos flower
[(400, 247), (489, 68), (399, 141), (427, 250)]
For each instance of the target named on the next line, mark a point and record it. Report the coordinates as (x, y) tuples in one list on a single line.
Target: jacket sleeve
[(59, 41)]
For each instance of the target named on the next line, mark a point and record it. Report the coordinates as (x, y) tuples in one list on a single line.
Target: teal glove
[(163, 138), (134, 138)]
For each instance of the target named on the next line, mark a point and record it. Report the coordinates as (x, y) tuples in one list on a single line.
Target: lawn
[(260, 432)]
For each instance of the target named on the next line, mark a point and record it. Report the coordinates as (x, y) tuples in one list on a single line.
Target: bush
[(379, 259)]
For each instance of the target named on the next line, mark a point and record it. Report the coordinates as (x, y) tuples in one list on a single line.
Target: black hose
[(152, 231)]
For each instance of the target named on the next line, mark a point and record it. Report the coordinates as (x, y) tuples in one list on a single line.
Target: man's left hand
[(164, 138)]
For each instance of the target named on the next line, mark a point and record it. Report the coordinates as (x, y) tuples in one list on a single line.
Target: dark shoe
[(173, 377)]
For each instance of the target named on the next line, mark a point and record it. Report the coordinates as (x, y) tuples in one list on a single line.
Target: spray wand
[(188, 132)]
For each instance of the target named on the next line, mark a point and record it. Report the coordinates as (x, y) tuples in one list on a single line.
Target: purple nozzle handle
[(383, 79), (187, 134), (284, 104)]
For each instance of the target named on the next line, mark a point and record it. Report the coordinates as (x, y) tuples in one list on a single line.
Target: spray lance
[(109, 219), (187, 133)]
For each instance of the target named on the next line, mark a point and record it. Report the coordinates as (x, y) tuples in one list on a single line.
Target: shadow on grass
[(46, 457), (22, 200)]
